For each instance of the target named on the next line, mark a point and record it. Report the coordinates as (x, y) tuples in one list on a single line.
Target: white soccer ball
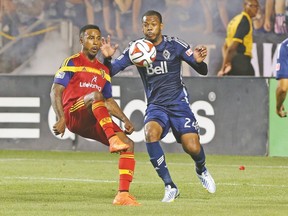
[(142, 53)]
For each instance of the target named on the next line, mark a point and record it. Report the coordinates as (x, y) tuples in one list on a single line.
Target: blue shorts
[(179, 118)]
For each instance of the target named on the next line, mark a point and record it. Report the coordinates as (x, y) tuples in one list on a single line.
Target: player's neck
[(158, 40), (89, 57)]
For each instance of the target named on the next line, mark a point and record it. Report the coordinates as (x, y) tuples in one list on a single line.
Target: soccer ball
[(142, 53)]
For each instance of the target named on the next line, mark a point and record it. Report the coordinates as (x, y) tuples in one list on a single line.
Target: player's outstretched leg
[(102, 115)]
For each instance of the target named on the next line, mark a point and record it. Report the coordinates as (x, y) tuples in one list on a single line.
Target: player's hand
[(129, 128), (200, 53), (220, 73), (224, 71), (281, 112), (107, 49), (267, 25), (59, 127)]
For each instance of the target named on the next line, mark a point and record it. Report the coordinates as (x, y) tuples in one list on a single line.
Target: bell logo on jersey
[(157, 69)]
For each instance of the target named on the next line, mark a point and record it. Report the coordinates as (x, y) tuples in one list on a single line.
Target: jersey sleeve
[(242, 29), (120, 63), (63, 77), (282, 63), (107, 90), (186, 54)]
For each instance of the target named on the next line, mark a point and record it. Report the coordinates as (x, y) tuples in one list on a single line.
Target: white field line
[(139, 162), (27, 178), (47, 179)]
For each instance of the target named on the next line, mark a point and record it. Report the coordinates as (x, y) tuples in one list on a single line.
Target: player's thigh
[(156, 122), (183, 121), (85, 125), (91, 97), (78, 117), (97, 133)]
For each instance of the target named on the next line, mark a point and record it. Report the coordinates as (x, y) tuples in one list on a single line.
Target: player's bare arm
[(227, 67), (107, 48), (116, 111), (229, 53), (56, 101)]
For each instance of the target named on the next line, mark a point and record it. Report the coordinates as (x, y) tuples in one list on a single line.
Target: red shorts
[(83, 123)]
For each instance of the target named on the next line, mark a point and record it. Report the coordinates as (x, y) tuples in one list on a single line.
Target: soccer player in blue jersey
[(168, 101), (282, 77)]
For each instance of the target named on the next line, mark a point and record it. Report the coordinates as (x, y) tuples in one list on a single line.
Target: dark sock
[(157, 159), (199, 161)]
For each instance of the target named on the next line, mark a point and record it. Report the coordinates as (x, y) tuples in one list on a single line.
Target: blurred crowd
[(25, 23)]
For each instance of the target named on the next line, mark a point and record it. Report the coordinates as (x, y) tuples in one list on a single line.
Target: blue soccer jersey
[(163, 80), (282, 60)]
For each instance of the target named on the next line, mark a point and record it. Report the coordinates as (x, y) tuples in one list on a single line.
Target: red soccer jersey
[(80, 76)]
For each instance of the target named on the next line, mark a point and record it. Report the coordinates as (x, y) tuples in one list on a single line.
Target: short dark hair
[(153, 13), (84, 28)]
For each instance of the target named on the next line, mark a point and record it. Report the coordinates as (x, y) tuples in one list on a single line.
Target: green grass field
[(85, 183)]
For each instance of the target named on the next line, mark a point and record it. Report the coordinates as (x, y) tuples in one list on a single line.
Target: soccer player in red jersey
[(81, 96)]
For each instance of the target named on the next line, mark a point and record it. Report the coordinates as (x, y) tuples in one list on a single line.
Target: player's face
[(91, 42), (152, 29), (251, 7)]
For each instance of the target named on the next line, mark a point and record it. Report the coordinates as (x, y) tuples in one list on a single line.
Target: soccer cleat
[(125, 199), (207, 181), (170, 194), (117, 145)]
